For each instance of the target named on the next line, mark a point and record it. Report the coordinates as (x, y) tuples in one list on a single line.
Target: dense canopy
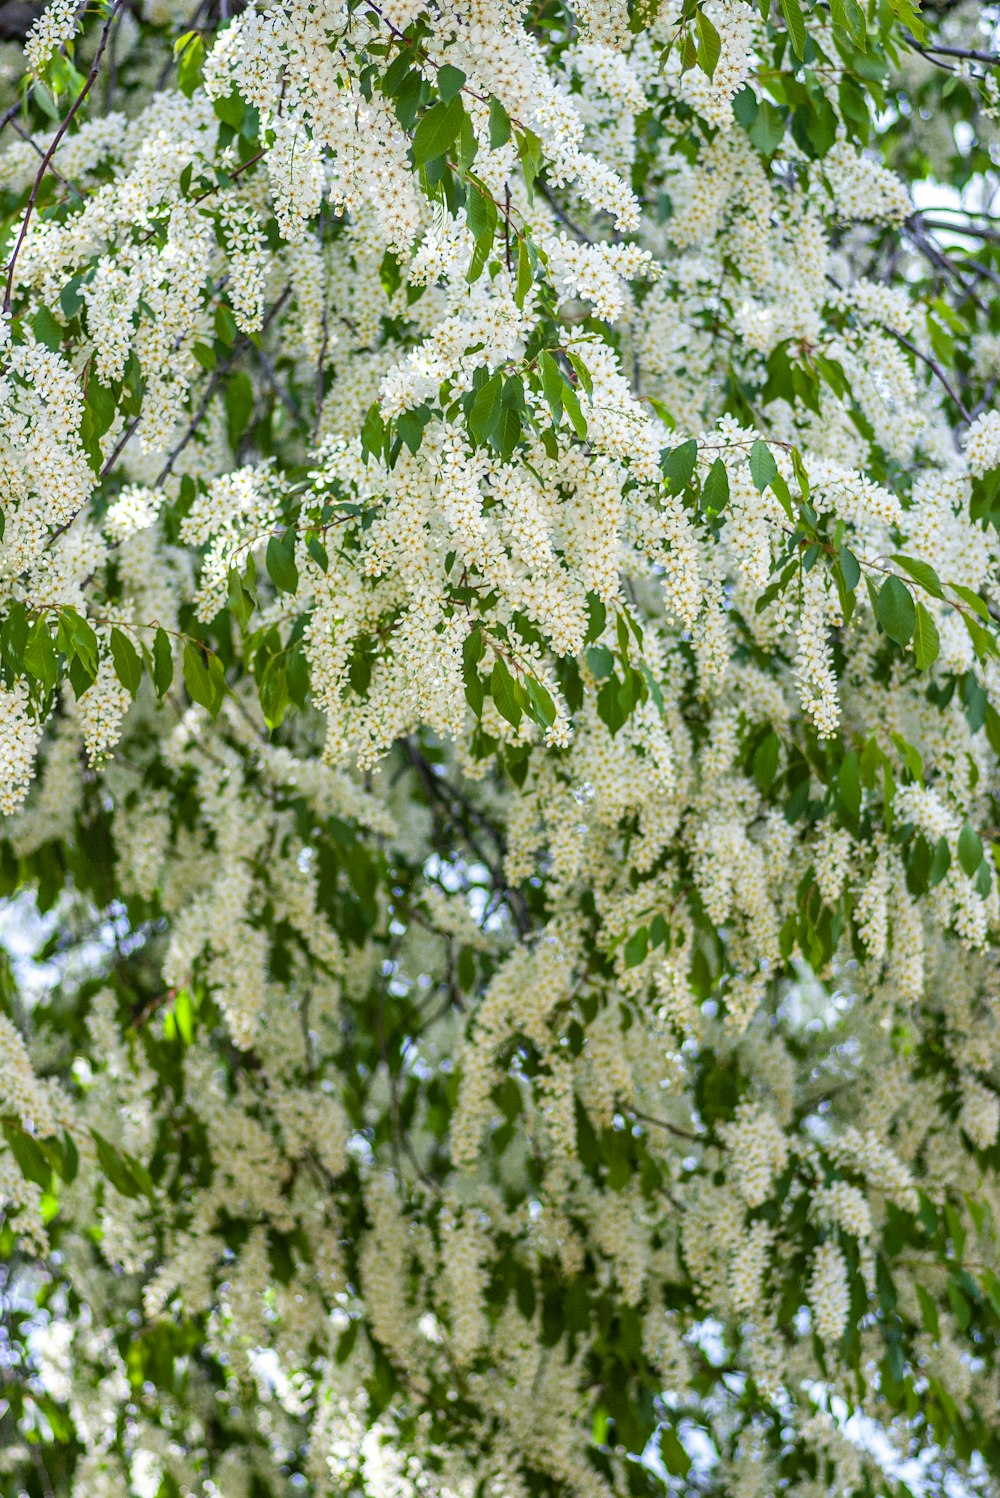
[(499, 748)]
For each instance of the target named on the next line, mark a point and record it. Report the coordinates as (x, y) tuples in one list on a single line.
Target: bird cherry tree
[(499, 730)]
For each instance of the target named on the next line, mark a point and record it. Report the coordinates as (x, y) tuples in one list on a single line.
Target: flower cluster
[(499, 732)]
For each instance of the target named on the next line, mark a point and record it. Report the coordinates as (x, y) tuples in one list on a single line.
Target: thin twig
[(30, 140), (213, 385), (933, 366)]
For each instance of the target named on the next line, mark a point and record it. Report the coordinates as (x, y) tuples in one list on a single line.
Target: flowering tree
[(499, 717)]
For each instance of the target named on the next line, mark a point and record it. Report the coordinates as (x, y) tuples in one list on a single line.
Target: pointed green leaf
[(503, 693), (437, 130), (896, 612), (280, 561), (163, 662), (678, 465), (926, 642), (499, 124), (40, 659), (970, 849), (922, 573), (451, 81), (763, 468), (125, 658), (791, 10)]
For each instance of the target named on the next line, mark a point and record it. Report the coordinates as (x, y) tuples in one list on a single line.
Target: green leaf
[(230, 110), (70, 299), (503, 693), (970, 849), (601, 662), (127, 664), (910, 756), (274, 691), (765, 761), (239, 600), (499, 124), (926, 641), (541, 707), (848, 16), (79, 640), (507, 429), (239, 405), (709, 43), (40, 659), (795, 21), (597, 616), (451, 81), (715, 489), (101, 405), (189, 50), (675, 1458), (47, 330), (896, 612), (922, 573), (410, 426), (203, 678), (850, 567), (636, 947), (372, 433), (582, 373), (783, 494), (678, 465), (907, 12), (961, 1309), (163, 662), (991, 1284), (571, 402), (472, 653), (389, 274), (525, 273), (745, 106), (819, 120), (280, 561), (768, 129), (552, 384), (529, 150), (481, 217), (844, 593), (125, 1173), (975, 603), (225, 325), (940, 863), (775, 589), (991, 718), (983, 642), (611, 707), (484, 413), (437, 130), (763, 468), (849, 784), (31, 1156)]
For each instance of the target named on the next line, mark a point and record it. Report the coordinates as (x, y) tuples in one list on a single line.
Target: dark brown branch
[(967, 230), (969, 54), (934, 368)]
